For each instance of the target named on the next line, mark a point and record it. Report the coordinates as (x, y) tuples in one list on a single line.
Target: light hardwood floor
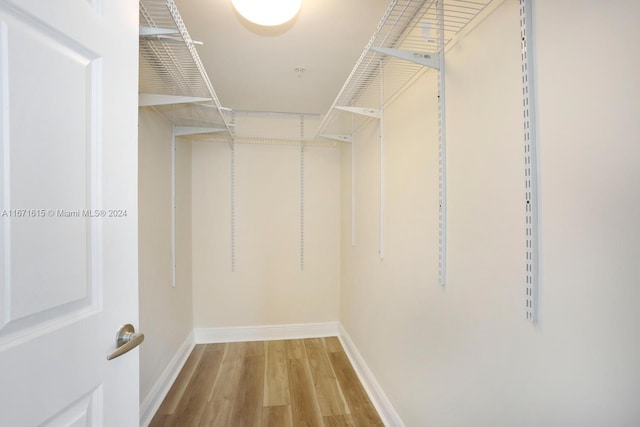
[(290, 383)]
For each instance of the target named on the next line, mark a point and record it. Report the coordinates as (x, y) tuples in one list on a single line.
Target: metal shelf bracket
[(155, 31), (336, 137), (192, 130), (363, 111), (431, 60), (151, 99)]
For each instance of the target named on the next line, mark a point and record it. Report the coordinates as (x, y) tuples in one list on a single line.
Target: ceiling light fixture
[(267, 12)]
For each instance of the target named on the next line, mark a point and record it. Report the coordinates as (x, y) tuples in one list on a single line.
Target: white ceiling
[(252, 68)]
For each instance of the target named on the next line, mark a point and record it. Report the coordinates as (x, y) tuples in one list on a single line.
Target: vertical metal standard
[(233, 194), (530, 161), (173, 207), (382, 177), (301, 192), (353, 183), (442, 166)]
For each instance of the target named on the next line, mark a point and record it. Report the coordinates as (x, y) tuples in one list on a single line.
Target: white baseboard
[(265, 333), (385, 409), (158, 392)]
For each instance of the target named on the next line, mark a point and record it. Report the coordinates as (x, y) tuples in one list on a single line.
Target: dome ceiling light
[(267, 12)]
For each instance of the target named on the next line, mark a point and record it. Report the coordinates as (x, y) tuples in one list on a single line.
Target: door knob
[(126, 340)]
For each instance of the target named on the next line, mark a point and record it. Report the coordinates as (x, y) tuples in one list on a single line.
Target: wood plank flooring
[(290, 383)]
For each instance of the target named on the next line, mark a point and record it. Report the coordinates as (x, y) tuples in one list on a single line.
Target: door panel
[(68, 252), (50, 176)]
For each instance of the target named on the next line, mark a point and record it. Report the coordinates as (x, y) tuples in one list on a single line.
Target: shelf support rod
[(382, 176), (232, 192), (353, 184), (302, 192), (442, 158), (173, 208)]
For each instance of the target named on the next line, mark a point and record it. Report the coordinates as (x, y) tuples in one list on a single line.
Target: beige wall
[(267, 287), (165, 312), (464, 355)]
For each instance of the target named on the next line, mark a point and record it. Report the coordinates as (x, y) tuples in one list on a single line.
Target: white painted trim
[(383, 405), (159, 391), (265, 333)]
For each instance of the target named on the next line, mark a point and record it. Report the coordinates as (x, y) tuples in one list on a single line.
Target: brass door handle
[(126, 340)]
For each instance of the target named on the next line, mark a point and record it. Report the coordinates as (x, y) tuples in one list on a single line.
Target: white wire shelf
[(172, 77), (407, 39)]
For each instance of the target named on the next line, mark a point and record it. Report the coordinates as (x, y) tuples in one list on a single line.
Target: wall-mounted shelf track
[(530, 161), (302, 144), (172, 77)]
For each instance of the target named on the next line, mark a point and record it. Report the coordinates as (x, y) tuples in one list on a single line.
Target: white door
[(68, 235)]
